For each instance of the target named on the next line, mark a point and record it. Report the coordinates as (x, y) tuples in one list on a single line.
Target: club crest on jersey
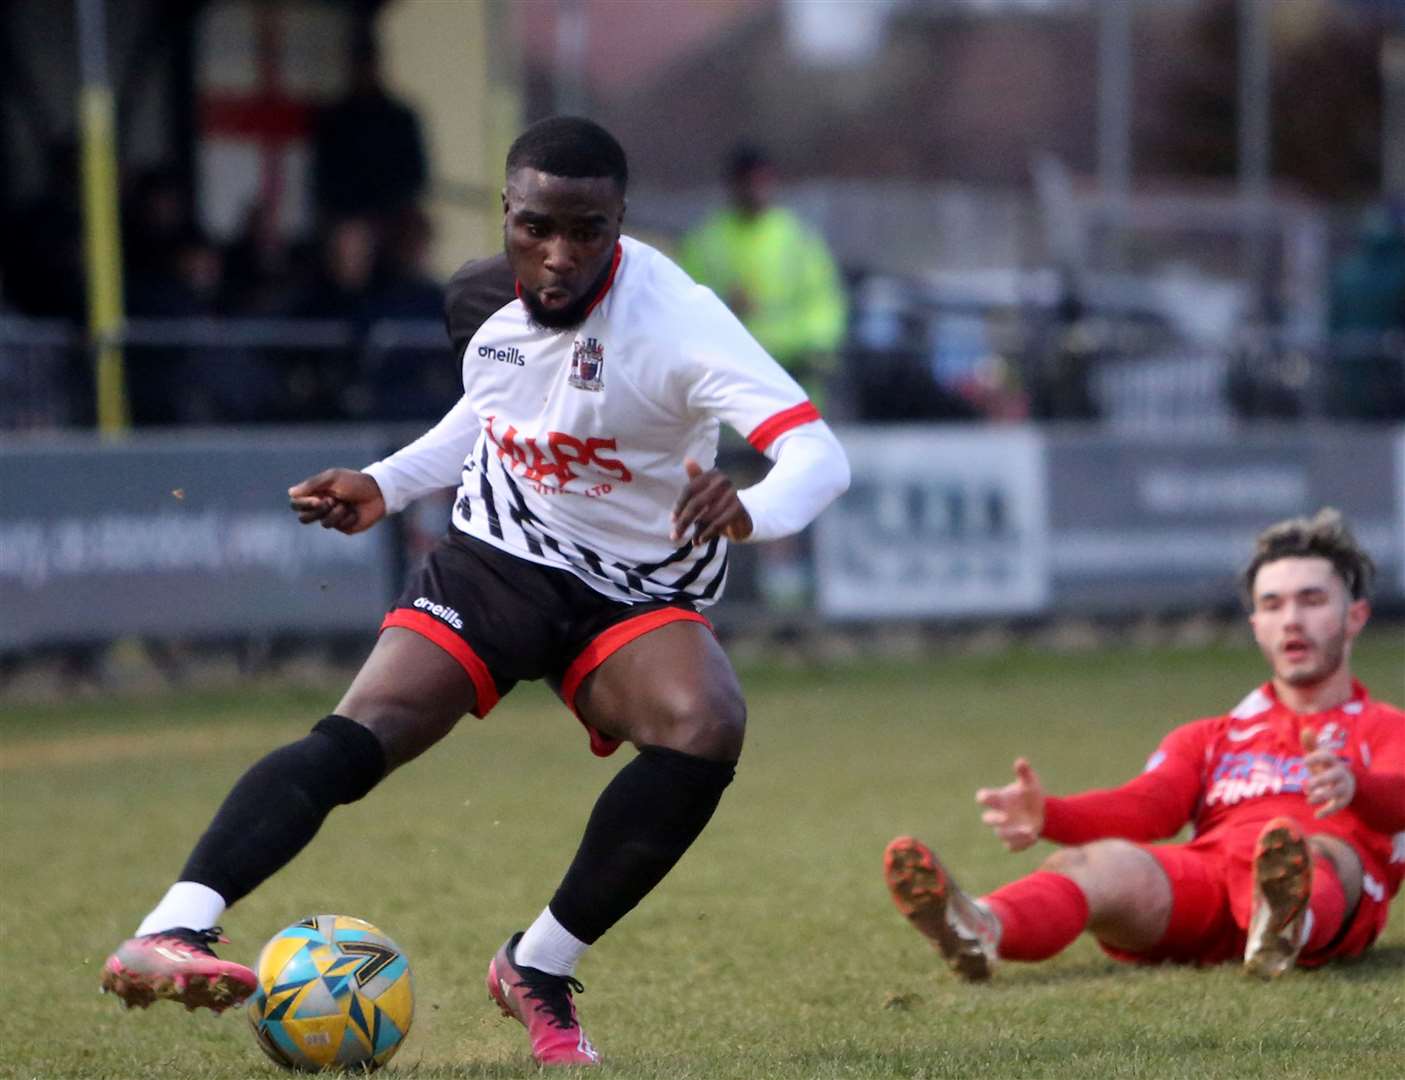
[(1332, 736), (588, 365)]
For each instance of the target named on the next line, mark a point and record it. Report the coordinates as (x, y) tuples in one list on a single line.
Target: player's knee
[(342, 761), (1071, 862), (705, 721), (403, 729)]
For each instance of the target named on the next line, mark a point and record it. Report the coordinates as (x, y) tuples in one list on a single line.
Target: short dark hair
[(1323, 536), (569, 146), (744, 159)]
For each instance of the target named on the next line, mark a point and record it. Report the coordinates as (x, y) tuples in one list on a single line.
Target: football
[(333, 993)]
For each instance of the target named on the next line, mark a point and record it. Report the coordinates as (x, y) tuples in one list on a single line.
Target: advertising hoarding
[(182, 535), (936, 522)]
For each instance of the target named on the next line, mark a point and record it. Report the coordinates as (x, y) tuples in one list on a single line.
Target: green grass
[(771, 952)]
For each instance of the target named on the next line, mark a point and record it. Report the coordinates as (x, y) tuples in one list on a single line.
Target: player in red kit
[(1296, 797)]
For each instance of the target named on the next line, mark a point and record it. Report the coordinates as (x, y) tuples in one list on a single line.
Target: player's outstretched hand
[(1015, 811), (708, 507), (341, 499), (1331, 785)]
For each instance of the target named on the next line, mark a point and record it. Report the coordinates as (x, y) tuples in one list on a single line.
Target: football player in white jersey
[(589, 530)]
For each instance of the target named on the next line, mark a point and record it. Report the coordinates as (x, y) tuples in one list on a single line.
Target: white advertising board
[(938, 521)]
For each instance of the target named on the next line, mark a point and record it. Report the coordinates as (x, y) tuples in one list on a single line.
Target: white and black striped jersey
[(568, 446)]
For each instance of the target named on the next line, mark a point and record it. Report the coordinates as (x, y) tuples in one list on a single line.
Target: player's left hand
[(708, 507), (341, 499), (1331, 785)]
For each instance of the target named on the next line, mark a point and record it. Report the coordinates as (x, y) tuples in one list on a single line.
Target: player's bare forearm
[(341, 499)]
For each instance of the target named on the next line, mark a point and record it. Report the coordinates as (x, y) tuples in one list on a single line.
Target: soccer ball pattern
[(333, 992)]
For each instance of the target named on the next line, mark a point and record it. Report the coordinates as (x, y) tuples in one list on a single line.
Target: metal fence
[(916, 351), (231, 371), (1114, 353)]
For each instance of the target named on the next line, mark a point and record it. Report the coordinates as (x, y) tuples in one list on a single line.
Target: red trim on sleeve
[(427, 626), (769, 430), (1380, 801), (602, 646)]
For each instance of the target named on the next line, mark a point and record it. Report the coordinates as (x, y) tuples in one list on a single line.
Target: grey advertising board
[(952, 521), (1156, 522), (180, 535)]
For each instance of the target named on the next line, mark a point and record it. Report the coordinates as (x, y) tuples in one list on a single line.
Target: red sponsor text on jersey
[(553, 466)]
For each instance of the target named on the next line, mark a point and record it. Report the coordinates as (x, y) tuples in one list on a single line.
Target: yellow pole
[(102, 236)]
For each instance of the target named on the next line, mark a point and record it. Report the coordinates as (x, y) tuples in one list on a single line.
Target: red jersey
[(1228, 775)]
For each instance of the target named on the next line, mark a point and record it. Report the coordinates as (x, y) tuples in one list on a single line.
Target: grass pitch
[(771, 952)]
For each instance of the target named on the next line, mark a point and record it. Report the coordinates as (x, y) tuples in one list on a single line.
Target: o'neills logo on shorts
[(440, 611)]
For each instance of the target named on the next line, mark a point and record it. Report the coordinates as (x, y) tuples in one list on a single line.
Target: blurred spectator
[(202, 384), (173, 278), (778, 278), (41, 260), (410, 290), (157, 215), (330, 383), (1065, 354), (776, 274), (42, 253), (368, 152), (1366, 376), (407, 380), (184, 283), (263, 270)]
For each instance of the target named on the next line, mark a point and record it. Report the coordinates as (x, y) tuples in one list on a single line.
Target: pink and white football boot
[(177, 965), (542, 1003)]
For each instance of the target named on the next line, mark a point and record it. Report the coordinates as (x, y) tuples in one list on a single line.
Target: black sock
[(281, 802), (644, 820)]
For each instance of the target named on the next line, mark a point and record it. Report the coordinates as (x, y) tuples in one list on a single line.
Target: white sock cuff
[(548, 946), (188, 904)]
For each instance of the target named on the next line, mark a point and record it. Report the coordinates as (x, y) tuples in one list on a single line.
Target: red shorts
[(506, 620), (1211, 893)]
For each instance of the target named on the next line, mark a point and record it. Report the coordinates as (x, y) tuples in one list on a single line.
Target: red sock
[(1327, 904), (1039, 915)]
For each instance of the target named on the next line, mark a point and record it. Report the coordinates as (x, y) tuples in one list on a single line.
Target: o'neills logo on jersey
[(588, 365), (440, 611), (511, 356)]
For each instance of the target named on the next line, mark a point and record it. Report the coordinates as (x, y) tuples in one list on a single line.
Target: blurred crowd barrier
[(1122, 353), (231, 371), (914, 352), (186, 535)]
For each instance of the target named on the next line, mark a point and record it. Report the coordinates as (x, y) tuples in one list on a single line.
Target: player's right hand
[(1015, 811), (1331, 785), (341, 499)]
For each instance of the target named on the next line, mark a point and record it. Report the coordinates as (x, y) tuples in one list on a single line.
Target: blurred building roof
[(652, 36), (960, 95), (977, 91)]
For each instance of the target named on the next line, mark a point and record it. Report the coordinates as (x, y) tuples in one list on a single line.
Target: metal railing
[(1020, 349), (231, 371), (910, 356)]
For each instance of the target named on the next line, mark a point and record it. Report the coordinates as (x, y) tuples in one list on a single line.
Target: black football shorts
[(506, 619)]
